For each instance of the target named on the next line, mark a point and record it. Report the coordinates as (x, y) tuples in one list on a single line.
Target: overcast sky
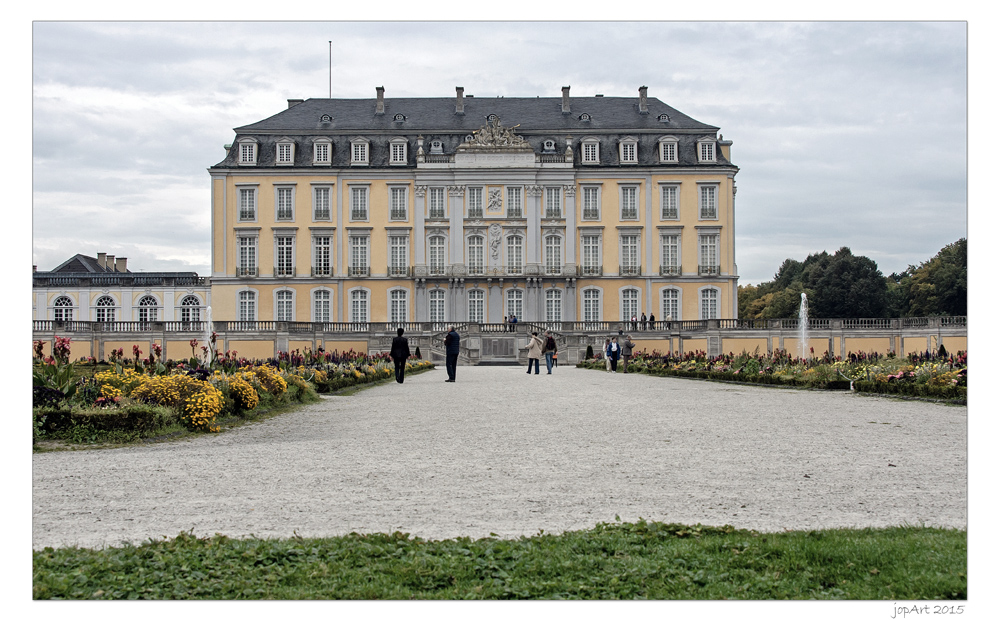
[(846, 133)]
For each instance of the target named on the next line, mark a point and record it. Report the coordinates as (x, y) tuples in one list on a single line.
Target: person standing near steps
[(534, 351), (451, 350), (550, 350)]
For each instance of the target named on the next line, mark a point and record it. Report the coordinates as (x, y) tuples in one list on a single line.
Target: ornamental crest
[(494, 134)]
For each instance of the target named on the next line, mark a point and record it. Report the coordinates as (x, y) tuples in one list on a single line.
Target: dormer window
[(585, 117), (326, 118), (492, 119), (663, 118), (628, 150), (359, 152), (706, 150), (397, 152), (247, 152), (399, 118), (590, 151), (436, 147), (285, 152), (668, 150), (549, 146), (322, 151), (469, 138)]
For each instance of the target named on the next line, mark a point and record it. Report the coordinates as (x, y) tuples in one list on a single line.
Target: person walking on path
[(627, 352), (534, 351), (607, 355), (399, 353), (550, 350), (451, 351), (614, 352)]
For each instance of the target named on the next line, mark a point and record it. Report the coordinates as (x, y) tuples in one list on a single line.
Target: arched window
[(435, 255), (553, 255), (592, 305), (553, 305), (321, 306), (630, 303), (709, 303), (515, 258), (105, 309), (190, 309), (248, 306), (359, 306), (475, 260), (62, 309), (436, 301), (284, 308), (147, 309), (477, 310), (397, 306), (671, 307), (515, 303)]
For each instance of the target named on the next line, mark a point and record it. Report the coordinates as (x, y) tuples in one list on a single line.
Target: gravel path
[(498, 452)]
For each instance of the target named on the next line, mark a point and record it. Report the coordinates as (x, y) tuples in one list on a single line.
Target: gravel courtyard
[(506, 453)]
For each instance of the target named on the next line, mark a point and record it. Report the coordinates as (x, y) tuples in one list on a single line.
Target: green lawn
[(647, 560)]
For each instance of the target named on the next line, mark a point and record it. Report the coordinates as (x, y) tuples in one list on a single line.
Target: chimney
[(565, 101), (380, 101), (109, 263), (294, 102), (459, 104), (643, 108), (102, 259), (120, 265)]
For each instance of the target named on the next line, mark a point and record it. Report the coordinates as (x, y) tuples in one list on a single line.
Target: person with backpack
[(550, 350)]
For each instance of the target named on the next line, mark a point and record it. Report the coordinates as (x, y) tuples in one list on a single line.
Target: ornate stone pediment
[(494, 135)]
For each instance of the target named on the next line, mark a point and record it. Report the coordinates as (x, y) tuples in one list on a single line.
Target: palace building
[(465, 209)]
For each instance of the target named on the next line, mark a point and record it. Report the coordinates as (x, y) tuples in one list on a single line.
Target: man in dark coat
[(451, 351), (399, 353)]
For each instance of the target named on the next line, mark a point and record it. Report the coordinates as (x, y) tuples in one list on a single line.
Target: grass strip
[(643, 560)]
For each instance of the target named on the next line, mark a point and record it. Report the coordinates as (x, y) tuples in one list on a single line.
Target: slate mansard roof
[(435, 118)]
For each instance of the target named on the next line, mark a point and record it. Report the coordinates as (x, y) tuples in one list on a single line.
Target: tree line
[(842, 285)]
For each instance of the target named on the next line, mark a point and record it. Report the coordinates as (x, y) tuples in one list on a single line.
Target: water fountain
[(803, 328)]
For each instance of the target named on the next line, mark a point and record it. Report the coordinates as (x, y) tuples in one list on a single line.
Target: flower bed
[(927, 375)]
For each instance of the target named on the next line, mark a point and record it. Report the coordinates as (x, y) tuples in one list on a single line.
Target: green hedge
[(138, 417), (906, 388)]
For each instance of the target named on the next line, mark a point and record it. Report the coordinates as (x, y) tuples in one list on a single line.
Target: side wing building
[(460, 209)]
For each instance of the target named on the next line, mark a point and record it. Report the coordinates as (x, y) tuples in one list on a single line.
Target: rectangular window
[(435, 256), (668, 151), (436, 298), (284, 308), (708, 255), (285, 207), (591, 305), (435, 202), (321, 306), (591, 255), (359, 306), (248, 256), (668, 202), (248, 204), (630, 255), (321, 203), (284, 152), (321, 255), (590, 152), (359, 153), (553, 202), (630, 210), (397, 306), (285, 262), (515, 262), (707, 151), (514, 205), (248, 306), (709, 211), (515, 303), (397, 153), (475, 259), (359, 203), (553, 255), (553, 305), (321, 153), (398, 259), (397, 203), (474, 195), (591, 203), (709, 304), (670, 255), (359, 256), (671, 305), (477, 309), (628, 152), (248, 153)]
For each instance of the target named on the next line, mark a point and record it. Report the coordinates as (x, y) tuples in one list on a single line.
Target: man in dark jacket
[(451, 351), (627, 351), (550, 350), (399, 353)]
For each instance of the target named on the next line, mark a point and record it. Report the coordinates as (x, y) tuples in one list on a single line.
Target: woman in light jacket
[(534, 351)]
